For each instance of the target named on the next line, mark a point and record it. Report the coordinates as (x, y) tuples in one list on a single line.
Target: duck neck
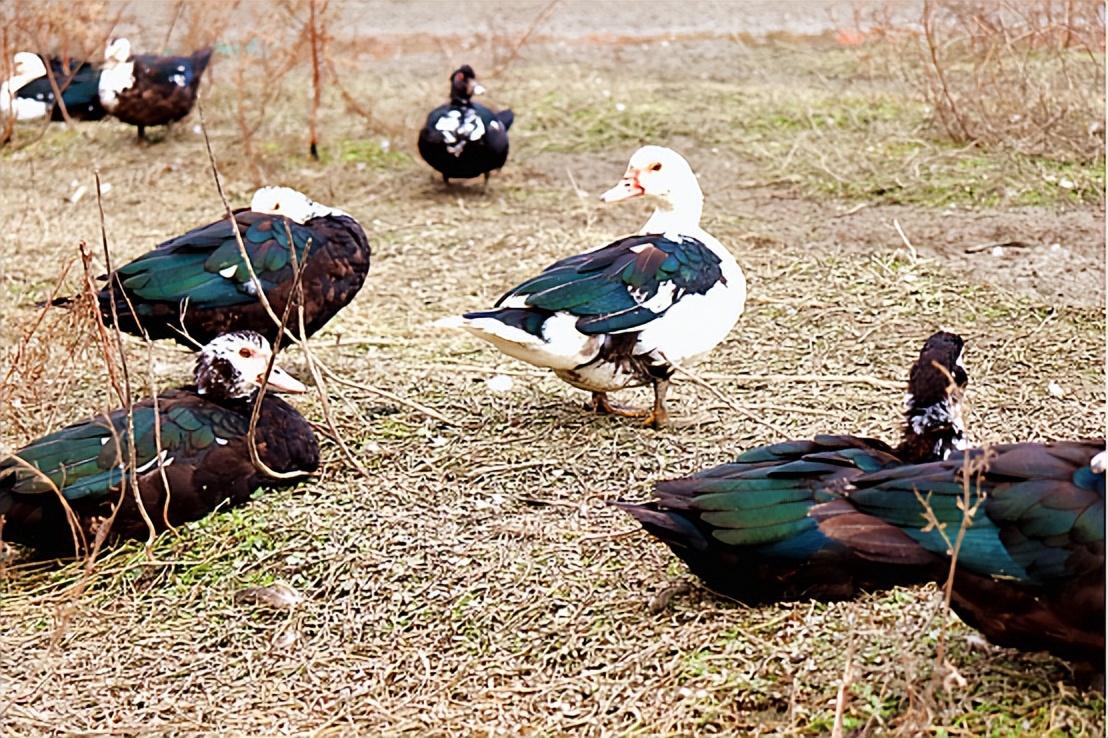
[(931, 432), (678, 212)]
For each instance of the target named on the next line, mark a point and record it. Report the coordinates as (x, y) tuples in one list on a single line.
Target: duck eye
[(245, 353), (656, 166)]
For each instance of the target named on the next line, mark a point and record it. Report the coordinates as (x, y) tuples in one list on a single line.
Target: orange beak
[(627, 188)]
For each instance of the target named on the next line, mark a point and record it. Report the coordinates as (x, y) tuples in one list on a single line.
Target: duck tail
[(200, 61), (507, 117)]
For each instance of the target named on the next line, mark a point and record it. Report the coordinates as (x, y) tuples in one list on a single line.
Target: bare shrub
[(1027, 75)]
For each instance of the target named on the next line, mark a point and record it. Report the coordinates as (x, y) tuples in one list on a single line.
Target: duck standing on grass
[(190, 455), (28, 94), (147, 90), (463, 139), (627, 314), (198, 284)]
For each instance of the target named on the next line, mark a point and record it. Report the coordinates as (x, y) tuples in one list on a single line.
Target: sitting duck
[(764, 528), (190, 455), (463, 139), (147, 90), (28, 94), (628, 313), (198, 286)]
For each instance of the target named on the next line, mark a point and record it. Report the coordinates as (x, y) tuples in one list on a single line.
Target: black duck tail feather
[(507, 117), (672, 528), (200, 61)]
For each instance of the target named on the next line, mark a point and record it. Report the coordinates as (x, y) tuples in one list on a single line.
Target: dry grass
[(478, 583)]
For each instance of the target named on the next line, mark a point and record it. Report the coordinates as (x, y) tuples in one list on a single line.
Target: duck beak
[(282, 381), (478, 89), (627, 188)]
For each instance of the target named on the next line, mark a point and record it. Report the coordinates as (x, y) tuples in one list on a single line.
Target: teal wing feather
[(1039, 508), (606, 288), (205, 265), (88, 459)]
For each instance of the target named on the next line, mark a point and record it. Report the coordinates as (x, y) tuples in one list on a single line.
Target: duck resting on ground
[(198, 284), (464, 139), (626, 314), (190, 455), (28, 94), (764, 527), (147, 90)]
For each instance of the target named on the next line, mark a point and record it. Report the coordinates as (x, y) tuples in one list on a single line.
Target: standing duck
[(197, 284), (28, 94), (148, 90), (190, 455), (463, 139), (626, 314), (770, 526)]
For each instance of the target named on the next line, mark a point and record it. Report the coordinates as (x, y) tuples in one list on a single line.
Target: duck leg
[(601, 404), (142, 133), (659, 416), (485, 186), (446, 180)]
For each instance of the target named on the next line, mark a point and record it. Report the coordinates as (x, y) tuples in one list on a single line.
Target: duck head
[(232, 366), (663, 176), (27, 66), (288, 202), (118, 51), (932, 407), (464, 84)]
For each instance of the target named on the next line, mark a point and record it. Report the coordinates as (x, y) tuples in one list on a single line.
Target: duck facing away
[(464, 139), (28, 94), (771, 525), (198, 284), (626, 314), (147, 90), (194, 438)]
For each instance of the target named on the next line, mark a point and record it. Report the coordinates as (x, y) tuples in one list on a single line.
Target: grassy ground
[(477, 582)]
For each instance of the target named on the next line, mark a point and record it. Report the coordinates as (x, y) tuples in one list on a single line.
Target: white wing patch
[(162, 459), (458, 129), (229, 272)]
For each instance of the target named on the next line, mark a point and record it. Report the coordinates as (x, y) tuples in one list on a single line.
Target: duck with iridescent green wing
[(198, 285), (190, 456)]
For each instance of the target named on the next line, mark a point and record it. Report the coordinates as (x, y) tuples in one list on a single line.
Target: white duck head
[(665, 177), (232, 366), (288, 202), (118, 51)]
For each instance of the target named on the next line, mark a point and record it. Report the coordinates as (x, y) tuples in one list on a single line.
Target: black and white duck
[(464, 139), (28, 94), (190, 455), (148, 90), (626, 314), (198, 284), (766, 527)]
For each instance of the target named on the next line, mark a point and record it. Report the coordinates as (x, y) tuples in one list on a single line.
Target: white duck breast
[(459, 127), (627, 313)]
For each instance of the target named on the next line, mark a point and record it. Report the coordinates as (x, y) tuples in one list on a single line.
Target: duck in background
[(197, 285), (628, 313), (771, 525), (29, 95), (189, 456), (148, 90), (464, 139)]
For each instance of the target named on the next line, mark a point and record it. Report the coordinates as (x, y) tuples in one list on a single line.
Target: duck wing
[(622, 286)]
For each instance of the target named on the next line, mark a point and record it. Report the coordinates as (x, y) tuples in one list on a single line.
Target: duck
[(1030, 569), (28, 94), (190, 456), (148, 90), (463, 139), (629, 313), (196, 286), (771, 527)]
